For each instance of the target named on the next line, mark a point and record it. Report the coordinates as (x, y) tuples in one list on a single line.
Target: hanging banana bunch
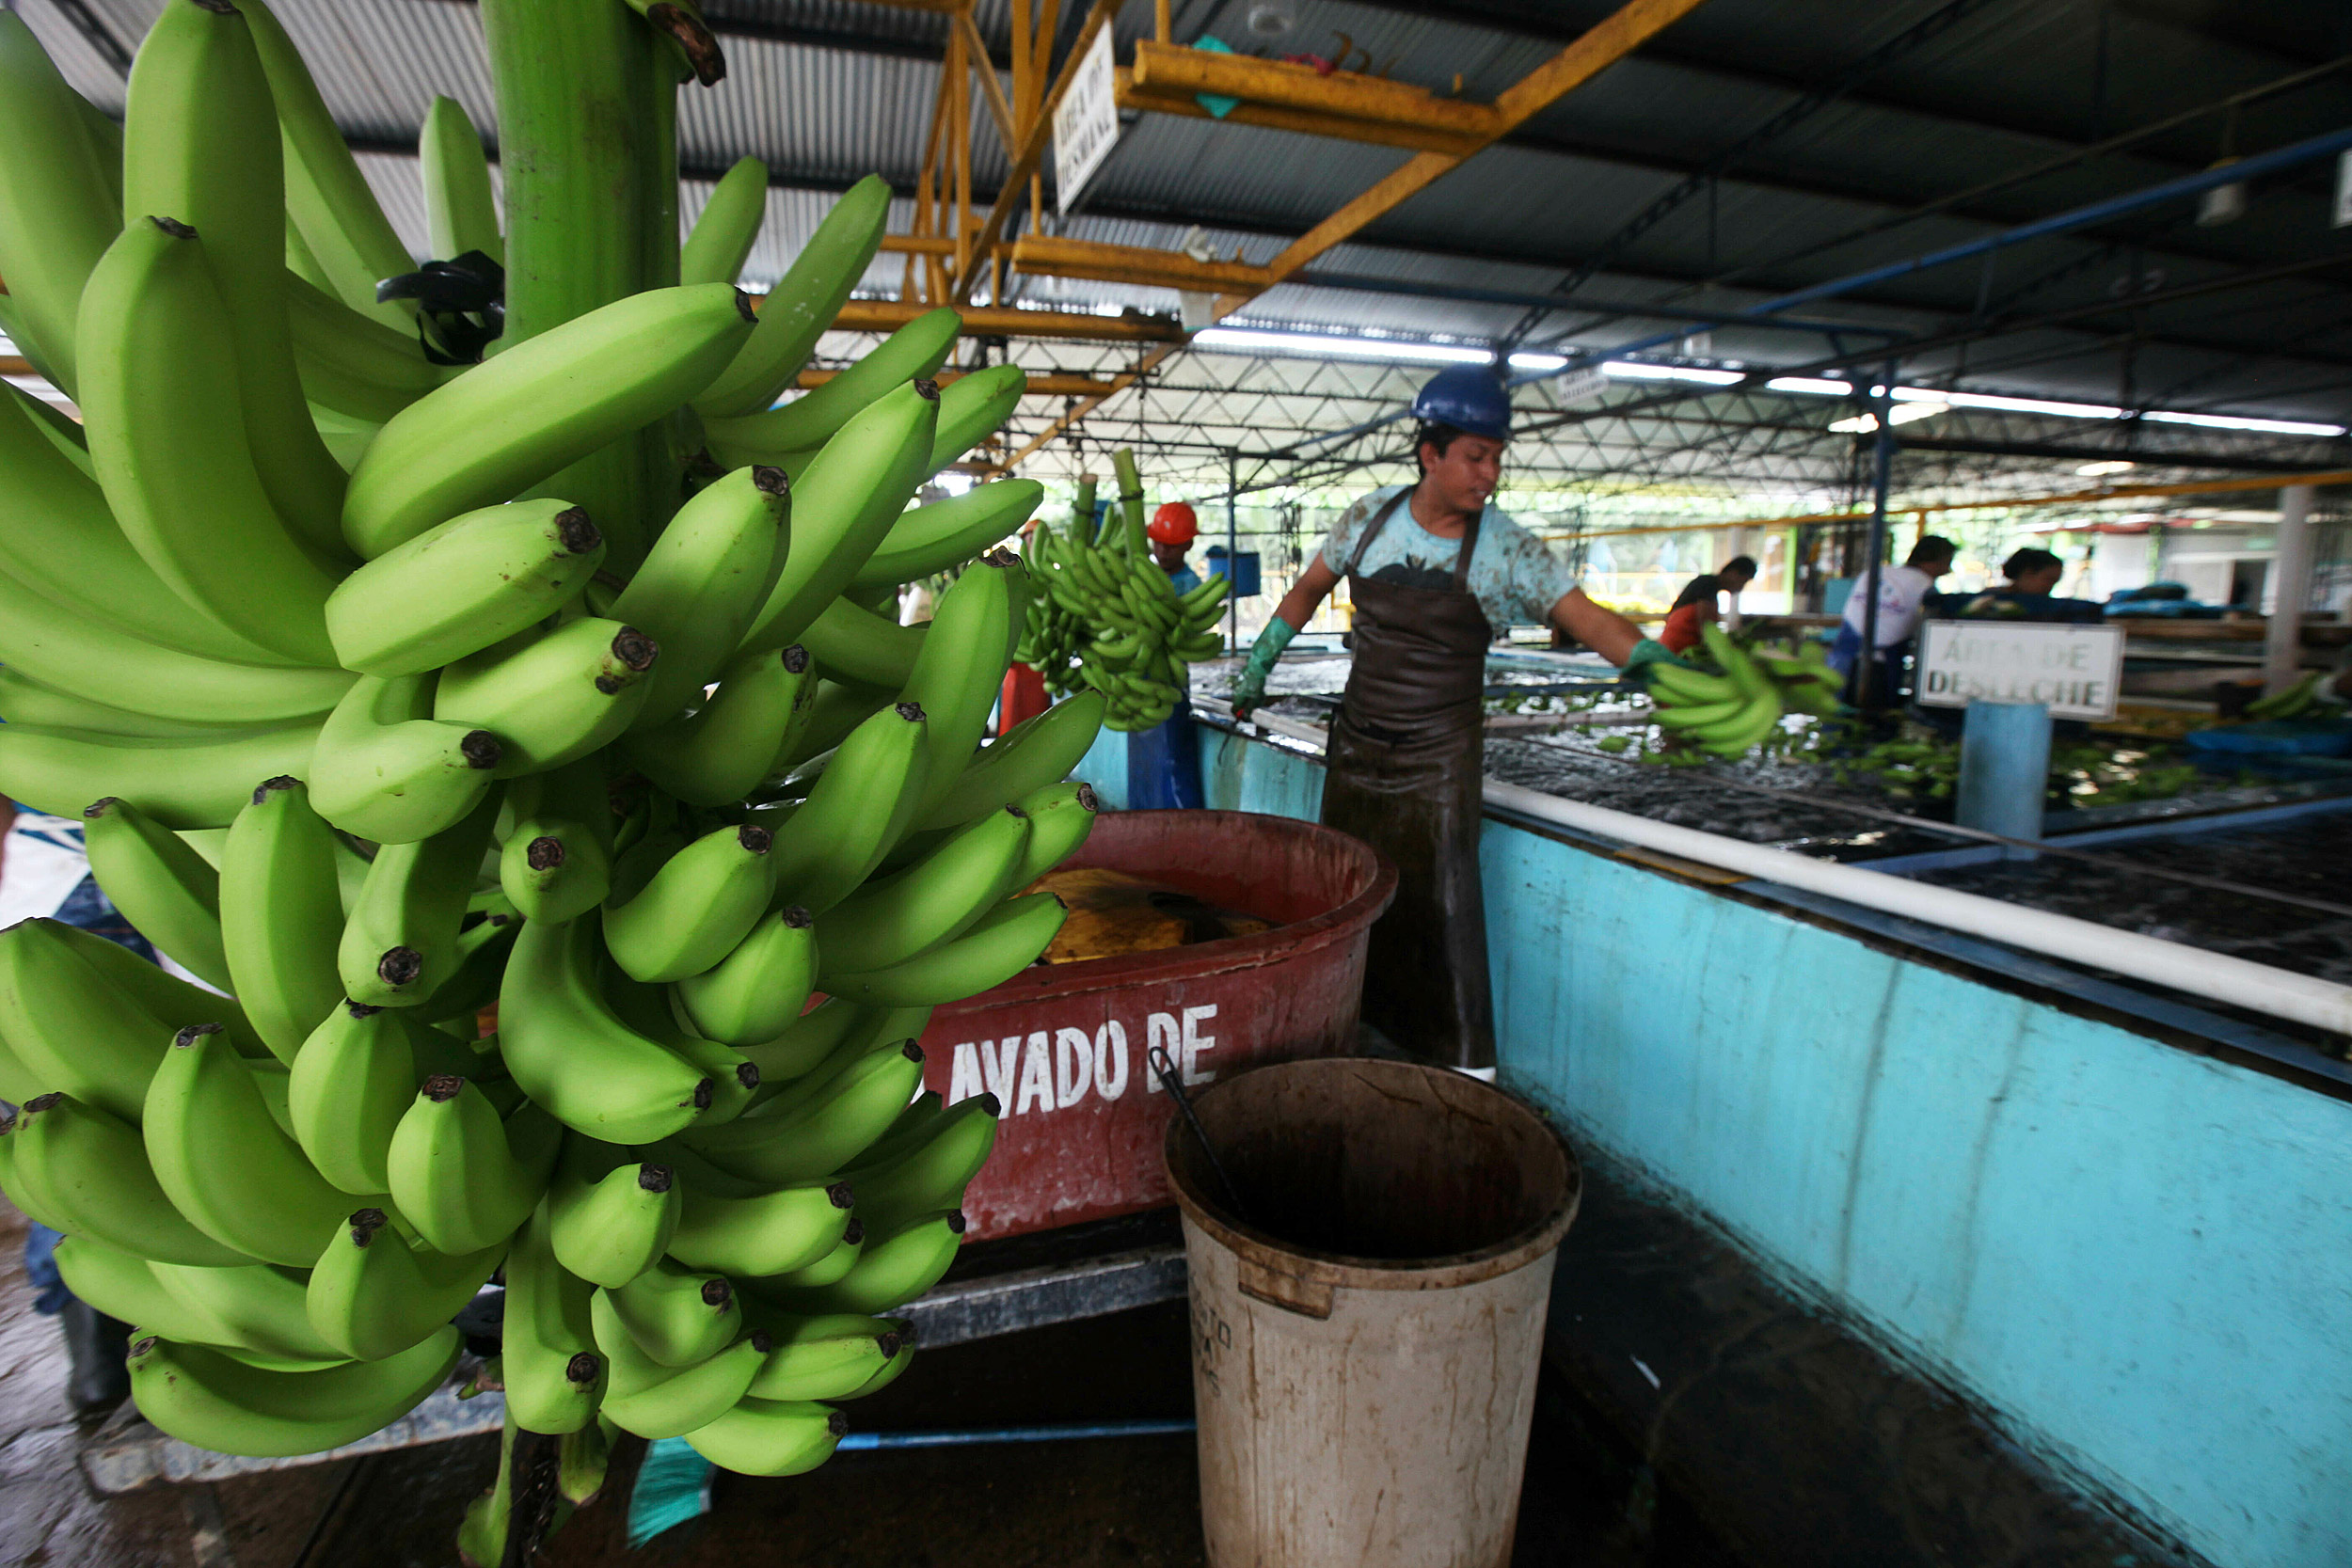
[(1109, 619), (394, 688)]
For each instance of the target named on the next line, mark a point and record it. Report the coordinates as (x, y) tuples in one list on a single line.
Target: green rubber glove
[(1648, 651), (1250, 692)]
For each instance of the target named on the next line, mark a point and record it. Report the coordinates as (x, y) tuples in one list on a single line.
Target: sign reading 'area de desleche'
[(2073, 670)]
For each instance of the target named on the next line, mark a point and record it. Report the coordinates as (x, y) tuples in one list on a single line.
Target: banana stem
[(1131, 500), (1082, 511), (591, 178)]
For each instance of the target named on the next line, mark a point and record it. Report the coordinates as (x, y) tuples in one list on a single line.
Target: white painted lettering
[(1110, 1049), (1037, 1075), (1001, 1060), (1196, 1043), (1073, 1067), (1161, 1032), (963, 1078)]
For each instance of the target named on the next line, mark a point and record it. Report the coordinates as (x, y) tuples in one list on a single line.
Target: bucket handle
[(1309, 1298)]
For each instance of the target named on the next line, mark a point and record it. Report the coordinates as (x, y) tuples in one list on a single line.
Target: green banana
[(519, 418), (460, 1175), (58, 210), (169, 892), (371, 1294), (165, 997), (925, 1170), (400, 942), (352, 1084), (169, 444), (890, 1370), (743, 1229), (571, 1053), (702, 902), (213, 1401), (1692, 716), (460, 212), (460, 586), (755, 992), (845, 505), (825, 1270), (200, 145), (813, 418), (728, 224), (973, 407), (609, 1220), (857, 810), (554, 1375), (1060, 818), (181, 782), (259, 1309), (734, 1079), (802, 307), (936, 900), (328, 198), (721, 751), (386, 770), (818, 1126), (829, 1356), (281, 913), (895, 1266), (933, 537), (835, 711), (771, 1438), (850, 644), (123, 1285), (557, 861), (655, 1401), (676, 1317), (806, 1044), (62, 544), (71, 1030), (708, 572), (1035, 752), (221, 1157), (351, 364), (554, 697), (962, 669), (1004, 941), (87, 1174)]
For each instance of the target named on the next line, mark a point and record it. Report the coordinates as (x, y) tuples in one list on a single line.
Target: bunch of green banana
[(393, 691), (1109, 608), (1722, 713), (2292, 703)]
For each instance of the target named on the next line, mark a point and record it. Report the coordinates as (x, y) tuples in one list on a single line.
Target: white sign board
[(1580, 385), (1085, 123), (2074, 671)]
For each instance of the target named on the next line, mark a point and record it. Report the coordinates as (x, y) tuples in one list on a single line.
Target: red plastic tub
[(1063, 1047)]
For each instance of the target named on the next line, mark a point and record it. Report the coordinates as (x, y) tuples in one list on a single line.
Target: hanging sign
[(1085, 123), (2074, 671)]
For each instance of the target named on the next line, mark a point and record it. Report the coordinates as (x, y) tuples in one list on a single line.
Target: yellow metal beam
[(1172, 70), (1032, 148), (1308, 122), (1042, 384), (888, 315), (1609, 41), (975, 50), (1048, 256), (918, 245)]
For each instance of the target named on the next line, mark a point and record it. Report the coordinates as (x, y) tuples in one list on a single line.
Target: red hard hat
[(1173, 524)]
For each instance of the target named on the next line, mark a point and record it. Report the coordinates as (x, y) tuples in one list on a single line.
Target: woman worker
[(1696, 607), (1435, 573)]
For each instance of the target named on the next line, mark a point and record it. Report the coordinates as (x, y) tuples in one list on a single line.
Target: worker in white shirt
[(1902, 603)]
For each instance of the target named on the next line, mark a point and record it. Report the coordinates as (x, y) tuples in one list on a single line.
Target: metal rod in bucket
[(1165, 1067)]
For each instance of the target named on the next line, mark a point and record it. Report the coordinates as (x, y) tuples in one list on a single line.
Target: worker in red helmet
[(1171, 531), (1436, 573), (1163, 762)]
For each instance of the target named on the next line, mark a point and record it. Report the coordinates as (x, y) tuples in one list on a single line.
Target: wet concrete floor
[(1128, 1503)]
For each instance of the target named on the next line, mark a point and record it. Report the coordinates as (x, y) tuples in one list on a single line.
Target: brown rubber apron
[(1406, 763)]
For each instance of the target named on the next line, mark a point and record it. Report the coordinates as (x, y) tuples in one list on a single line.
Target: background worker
[(1695, 606), (1163, 762), (1903, 602), (1435, 574)]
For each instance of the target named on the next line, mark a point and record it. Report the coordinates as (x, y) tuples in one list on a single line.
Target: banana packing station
[(1217, 783)]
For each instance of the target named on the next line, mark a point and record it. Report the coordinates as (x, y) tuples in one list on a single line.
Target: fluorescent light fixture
[(1634, 370), (2008, 405), (1812, 385), (2235, 421), (2100, 471), (1539, 361), (1903, 413), (1247, 340)]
